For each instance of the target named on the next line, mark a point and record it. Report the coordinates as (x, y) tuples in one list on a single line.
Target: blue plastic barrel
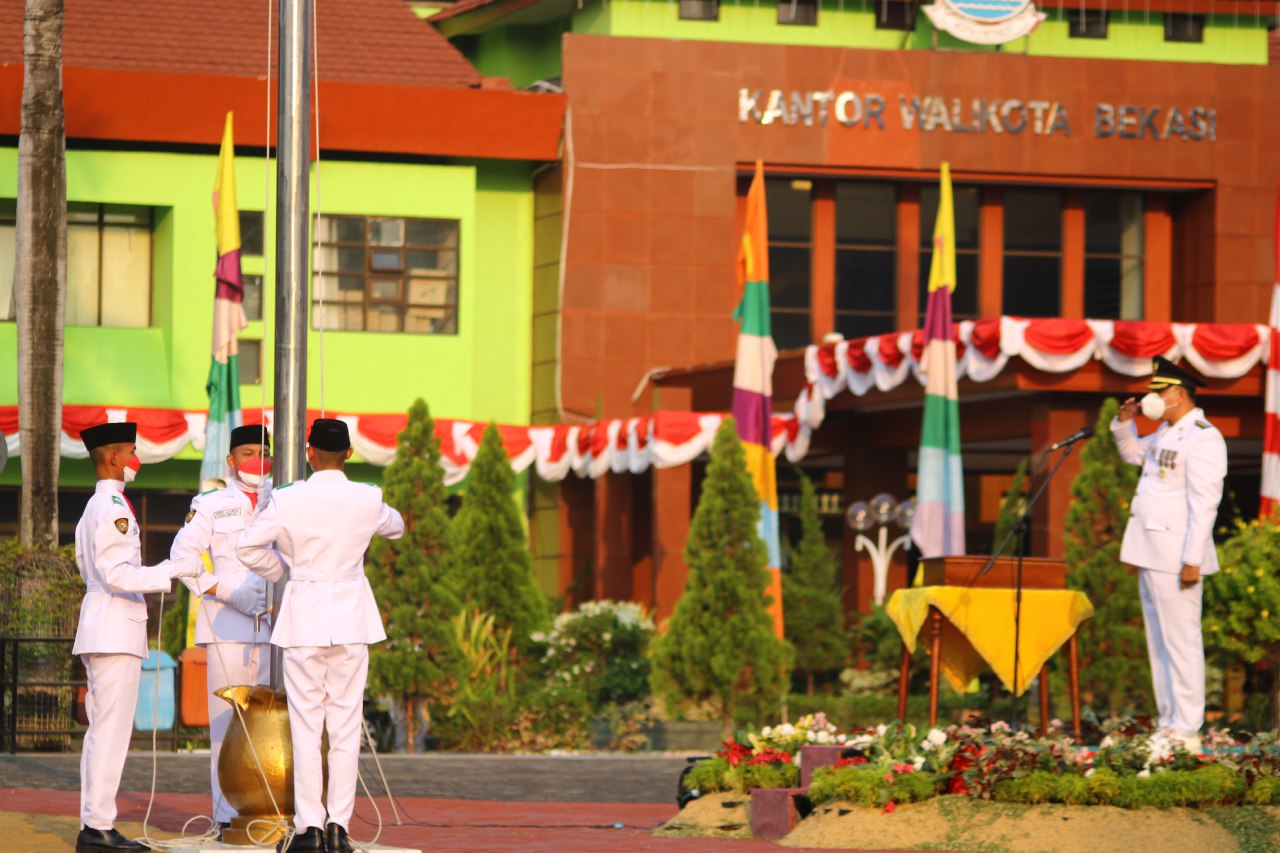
[(152, 715)]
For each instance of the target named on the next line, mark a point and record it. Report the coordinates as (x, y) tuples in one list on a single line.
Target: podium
[(947, 575)]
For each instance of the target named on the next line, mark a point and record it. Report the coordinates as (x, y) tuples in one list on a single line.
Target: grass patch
[(1254, 828)]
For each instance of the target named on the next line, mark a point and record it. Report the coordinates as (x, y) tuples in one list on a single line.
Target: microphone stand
[(1020, 528)]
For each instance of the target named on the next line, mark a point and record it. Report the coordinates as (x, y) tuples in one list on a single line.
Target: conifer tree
[(1011, 509), (1113, 647), (813, 595), (409, 577), (719, 647), (491, 558)]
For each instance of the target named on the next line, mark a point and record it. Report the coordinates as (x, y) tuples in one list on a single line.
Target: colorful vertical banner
[(938, 526), (228, 317), (1270, 492), (753, 379)]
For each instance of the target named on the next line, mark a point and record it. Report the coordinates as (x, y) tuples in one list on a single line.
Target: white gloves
[(249, 597)]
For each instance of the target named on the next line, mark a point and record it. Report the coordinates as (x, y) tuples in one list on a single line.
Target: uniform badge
[(115, 499), (122, 524), (190, 515)]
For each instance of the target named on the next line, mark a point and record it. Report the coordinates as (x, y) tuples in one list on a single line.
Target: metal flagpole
[(293, 167)]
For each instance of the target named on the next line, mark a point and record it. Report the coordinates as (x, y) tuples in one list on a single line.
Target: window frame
[(1193, 32), (100, 226), (372, 275), (701, 4), (1088, 23), (795, 17)]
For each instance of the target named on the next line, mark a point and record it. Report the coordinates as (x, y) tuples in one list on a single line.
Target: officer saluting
[(1170, 536), (328, 616), (111, 637), (227, 621)]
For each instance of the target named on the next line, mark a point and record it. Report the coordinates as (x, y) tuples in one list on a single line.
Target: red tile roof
[(459, 8), (359, 41)]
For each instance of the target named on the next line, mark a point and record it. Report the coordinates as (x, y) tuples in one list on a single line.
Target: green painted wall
[(526, 54), (481, 373), (523, 54)]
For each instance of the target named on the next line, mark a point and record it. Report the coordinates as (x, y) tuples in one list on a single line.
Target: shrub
[(602, 647), (871, 786), (708, 776), (812, 595)]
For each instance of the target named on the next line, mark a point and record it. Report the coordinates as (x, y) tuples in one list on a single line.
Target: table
[(977, 624)]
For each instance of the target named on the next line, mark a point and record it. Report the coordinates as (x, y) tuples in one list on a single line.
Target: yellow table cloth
[(978, 626)]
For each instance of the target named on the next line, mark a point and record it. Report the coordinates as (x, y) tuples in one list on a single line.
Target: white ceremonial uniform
[(1171, 524), (237, 654), (321, 528), (111, 639)]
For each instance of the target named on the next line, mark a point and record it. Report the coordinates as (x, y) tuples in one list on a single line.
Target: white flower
[(937, 737), (1088, 772), (1106, 742), (538, 637), (1144, 773), (918, 761), (881, 729)]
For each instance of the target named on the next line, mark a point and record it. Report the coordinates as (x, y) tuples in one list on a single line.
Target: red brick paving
[(473, 826)]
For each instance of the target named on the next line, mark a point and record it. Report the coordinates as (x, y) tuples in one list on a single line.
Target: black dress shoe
[(310, 840), (338, 840), (106, 841)]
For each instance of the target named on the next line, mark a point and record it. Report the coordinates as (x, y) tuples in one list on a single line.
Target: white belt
[(302, 574)]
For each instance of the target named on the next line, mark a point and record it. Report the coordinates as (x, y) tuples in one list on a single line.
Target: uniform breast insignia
[(190, 515), (122, 524), (226, 513)]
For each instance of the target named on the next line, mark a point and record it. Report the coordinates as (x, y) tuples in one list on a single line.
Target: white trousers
[(110, 702), (325, 687), (1176, 649), (230, 664)]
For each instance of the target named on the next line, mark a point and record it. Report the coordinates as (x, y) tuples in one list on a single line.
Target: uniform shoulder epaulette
[(209, 492), (1203, 424), (285, 486)]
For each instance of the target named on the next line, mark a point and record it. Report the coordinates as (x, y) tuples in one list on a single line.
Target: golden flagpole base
[(250, 830)]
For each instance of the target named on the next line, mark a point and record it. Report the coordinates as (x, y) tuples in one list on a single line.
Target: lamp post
[(880, 511)]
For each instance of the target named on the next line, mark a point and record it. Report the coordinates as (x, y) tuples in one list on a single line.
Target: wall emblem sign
[(985, 21)]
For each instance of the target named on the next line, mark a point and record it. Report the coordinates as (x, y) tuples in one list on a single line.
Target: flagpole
[(293, 162)]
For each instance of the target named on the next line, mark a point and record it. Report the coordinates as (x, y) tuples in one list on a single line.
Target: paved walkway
[(603, 778)]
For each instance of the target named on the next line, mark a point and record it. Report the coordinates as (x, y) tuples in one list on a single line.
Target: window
[(1032, 252), (790, 245), (801, 12), (250, 362), (699, 10), (866, 259), (8, 253), (380, 274), (1086, 23), (965, 201), (108, 265), (896, 15), (1180, 27), (251, 233), (1113, 255), (252, 297)]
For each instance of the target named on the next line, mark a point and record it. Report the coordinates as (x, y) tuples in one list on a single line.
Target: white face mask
[(131, 471), (1153, 406)]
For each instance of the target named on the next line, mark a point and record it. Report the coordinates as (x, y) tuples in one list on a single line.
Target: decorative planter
[(813, 757), (775, 811)]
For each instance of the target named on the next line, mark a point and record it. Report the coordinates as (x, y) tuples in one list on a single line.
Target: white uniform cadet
[(321, 528), (237, 653), (1170, 525), (111, 638)]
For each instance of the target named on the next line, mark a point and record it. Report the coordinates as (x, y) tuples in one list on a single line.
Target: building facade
[(1113, 165), (422, 198)]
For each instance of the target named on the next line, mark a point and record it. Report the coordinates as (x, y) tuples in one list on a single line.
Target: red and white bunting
[(1270, 491), (984, 347), (662, 440), (668, 439)]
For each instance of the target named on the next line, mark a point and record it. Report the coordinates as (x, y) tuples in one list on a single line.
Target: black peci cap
[(1165, 373), (103, 434), (329, 434), (250, 434)]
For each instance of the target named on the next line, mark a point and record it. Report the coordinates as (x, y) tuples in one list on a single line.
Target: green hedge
[(868, 786), (715, 774), (1209, 786)]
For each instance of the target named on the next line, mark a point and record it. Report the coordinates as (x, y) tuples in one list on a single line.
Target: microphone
[(1079, 435)]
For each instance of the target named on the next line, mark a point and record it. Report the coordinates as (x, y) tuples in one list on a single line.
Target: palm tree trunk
[(40, 270)]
